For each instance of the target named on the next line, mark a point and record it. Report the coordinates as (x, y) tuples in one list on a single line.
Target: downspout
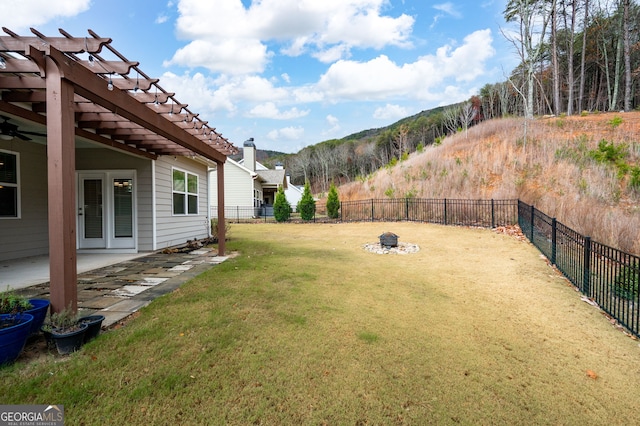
[(221, 227), (209, 170), (154, 218)]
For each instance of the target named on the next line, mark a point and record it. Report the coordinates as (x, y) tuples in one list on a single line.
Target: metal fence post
[(493, 215), (406, 211), (445, 211), (372, 210), (533, 213), (554, 239), (586, 267)]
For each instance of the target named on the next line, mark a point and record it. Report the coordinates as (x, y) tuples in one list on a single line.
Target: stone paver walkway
[(119, 290)]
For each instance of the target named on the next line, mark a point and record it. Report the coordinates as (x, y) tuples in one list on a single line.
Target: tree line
[(575, 57)]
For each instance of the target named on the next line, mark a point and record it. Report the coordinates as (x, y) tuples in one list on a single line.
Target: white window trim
[(14, 185), (186, 193)]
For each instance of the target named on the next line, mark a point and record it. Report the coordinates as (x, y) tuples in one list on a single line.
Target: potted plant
[(65, 331), (11, 302), (94, 324), (15, 325), (39, 309), (15, 328)]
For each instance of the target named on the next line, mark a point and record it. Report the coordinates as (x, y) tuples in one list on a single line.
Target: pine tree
[(281, 207), (307, 205), (333, 203)]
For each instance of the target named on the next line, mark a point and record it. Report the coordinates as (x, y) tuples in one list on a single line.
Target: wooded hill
[(577, 57)]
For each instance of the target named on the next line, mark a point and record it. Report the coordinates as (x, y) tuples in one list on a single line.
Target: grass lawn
[(304, 326)]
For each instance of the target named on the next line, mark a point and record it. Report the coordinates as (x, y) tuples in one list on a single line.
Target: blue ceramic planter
[(39, 312), (67, 342), (13, 338), (94, 324)]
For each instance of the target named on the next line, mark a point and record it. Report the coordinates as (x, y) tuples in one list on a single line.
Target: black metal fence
[(606, 275), (483, 213)]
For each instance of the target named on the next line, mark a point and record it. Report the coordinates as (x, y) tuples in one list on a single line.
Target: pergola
[(65, 84)]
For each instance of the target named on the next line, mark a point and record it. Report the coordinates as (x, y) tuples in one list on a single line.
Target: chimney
[(249, 154)]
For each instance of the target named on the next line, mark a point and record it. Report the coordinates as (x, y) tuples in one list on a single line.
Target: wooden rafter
[(175, 127)]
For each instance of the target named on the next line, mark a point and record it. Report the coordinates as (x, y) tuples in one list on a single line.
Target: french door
[(106, 210)]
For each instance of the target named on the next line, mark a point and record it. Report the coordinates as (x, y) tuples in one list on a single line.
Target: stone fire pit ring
[(388, 244)]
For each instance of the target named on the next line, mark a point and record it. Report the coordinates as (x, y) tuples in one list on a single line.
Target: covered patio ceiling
[(80, 90)]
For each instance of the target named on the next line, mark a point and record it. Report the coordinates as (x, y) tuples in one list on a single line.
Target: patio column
[(61, 169), (221, 228)]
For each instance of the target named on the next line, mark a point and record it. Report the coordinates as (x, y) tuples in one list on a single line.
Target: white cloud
[(285, 77), (31, 13), (381, 78), (228, 56), (236, 42), (270, 110), (390, 112), (162, 18), (286, 133), (449, 9), (333, 124), (332, 120)]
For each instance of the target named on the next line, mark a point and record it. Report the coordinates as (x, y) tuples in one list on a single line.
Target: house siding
[(238, 190), (172, 230), (29, 234)]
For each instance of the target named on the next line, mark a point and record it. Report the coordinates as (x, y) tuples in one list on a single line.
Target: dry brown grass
[(494, 162)]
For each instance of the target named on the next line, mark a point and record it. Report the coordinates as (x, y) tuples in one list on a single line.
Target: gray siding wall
[(238, 186), (173, 230), (28, 235)]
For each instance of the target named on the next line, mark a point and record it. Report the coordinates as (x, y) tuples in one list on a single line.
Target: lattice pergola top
[(115, 102)]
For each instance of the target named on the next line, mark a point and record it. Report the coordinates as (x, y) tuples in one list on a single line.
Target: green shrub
[(281, 207), (615, 121), (608, 152), (333, 202), (307, 205), (389, 192), (634, 182), (214, 229), (626, 283)]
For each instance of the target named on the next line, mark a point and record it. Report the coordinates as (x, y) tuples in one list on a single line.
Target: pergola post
[(221, 225), (61, 169)]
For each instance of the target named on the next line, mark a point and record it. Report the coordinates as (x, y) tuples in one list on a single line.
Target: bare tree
[(450, 118), (626, 5), (532, 19), (583, 54), (466, 116)]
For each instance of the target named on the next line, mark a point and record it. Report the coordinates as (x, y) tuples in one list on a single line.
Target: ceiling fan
[(9, 131)]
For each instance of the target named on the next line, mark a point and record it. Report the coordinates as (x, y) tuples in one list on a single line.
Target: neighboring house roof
[(259, 166), (273, 177)]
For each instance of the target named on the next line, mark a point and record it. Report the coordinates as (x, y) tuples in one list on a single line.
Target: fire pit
[(389, 239)]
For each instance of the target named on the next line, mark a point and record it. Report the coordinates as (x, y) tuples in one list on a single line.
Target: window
[(9, 188), (185, 192)]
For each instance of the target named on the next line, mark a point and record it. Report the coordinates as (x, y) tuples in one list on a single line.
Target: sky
[(293, 73)]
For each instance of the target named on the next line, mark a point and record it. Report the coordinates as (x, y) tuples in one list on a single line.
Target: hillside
[(563, 168)]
